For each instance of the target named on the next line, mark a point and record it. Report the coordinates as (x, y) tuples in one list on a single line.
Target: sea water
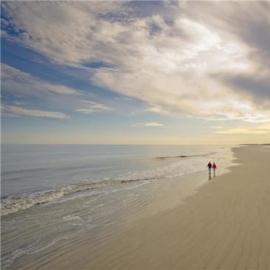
[(52, 193)]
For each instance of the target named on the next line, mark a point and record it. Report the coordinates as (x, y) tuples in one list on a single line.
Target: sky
[(135, 72)]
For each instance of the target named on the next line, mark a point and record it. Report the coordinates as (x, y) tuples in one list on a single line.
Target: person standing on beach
[(209, 165), (214, 168)]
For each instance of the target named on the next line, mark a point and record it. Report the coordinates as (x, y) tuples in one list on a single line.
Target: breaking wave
[(15, 203)]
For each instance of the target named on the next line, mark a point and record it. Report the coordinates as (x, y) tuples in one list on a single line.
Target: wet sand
[(226, 225)]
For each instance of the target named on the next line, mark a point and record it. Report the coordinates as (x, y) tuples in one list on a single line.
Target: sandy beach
[(226, 225)]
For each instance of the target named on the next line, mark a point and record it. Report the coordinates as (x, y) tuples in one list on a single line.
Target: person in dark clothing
[(209, 165)]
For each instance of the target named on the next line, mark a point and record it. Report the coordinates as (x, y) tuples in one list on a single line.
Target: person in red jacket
[(214, 166)]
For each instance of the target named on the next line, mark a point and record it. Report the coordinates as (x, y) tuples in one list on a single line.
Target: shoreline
[(15, 200), (224, 226), (99, 216)]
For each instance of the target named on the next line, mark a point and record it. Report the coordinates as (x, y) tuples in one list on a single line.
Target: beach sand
[(226, 225)]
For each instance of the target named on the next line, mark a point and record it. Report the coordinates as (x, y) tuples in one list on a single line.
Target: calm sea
[(52, 192)]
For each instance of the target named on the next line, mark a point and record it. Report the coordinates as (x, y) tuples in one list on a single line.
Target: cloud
[(254, 87), (67, 33), (92, 107), (244, 131), (156, 109), (250, 129), (151, 124), (197, 59), (13, 110), (22, 83)]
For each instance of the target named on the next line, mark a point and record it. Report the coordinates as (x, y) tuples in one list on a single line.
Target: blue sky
[(135, 72)]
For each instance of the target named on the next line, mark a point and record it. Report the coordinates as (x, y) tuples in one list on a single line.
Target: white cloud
[(153, 124), (13, 110), (243, 131), (68, 33), (150, 124), (255, 129), (156, 109), (171, 65), (92, 107), (22, 83)]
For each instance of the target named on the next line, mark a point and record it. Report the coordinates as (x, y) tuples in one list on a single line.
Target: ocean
[(52, 193)]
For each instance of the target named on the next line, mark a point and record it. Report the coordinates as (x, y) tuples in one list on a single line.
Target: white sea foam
[(16, 203)]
